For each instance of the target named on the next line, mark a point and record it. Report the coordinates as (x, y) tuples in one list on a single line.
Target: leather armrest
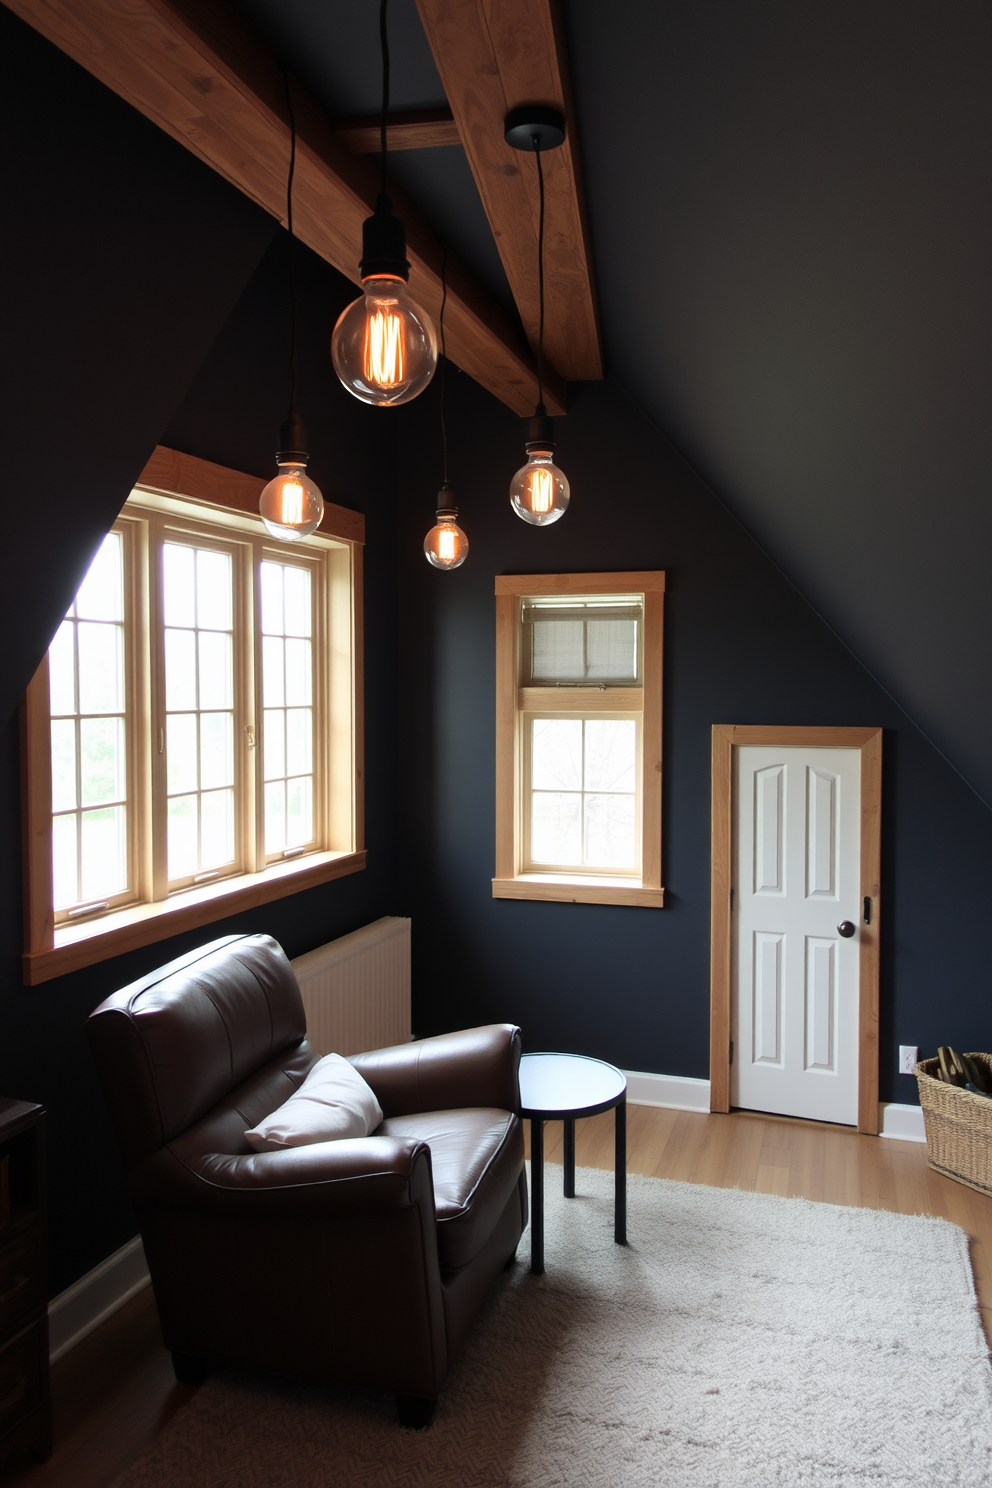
[(361, 1175), (476, 1067)]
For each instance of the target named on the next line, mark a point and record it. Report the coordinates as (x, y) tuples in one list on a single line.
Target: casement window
[(192, 738), (578, 737)]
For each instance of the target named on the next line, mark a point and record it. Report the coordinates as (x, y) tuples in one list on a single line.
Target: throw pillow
[(333, 1102)]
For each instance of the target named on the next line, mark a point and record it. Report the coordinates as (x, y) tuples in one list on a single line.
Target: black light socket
[(292, 441), (384, 243), (540, 432), (446, 501)]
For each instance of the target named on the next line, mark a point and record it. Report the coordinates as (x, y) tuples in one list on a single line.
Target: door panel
[(795, 979)]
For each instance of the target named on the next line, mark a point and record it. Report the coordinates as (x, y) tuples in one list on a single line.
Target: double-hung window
[(191, 739), (578, 789)]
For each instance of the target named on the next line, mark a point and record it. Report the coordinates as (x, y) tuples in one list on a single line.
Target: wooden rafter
[(193, 69), (420, 129), (494, 55)]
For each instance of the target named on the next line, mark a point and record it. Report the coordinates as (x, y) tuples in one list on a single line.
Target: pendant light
[(291, 506), (383, 346), (446, 545), (539, 491)]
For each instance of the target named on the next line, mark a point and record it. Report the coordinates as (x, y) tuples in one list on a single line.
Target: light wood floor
[(116, 1390)]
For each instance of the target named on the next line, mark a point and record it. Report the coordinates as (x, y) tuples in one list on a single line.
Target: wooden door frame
[(726, 738)]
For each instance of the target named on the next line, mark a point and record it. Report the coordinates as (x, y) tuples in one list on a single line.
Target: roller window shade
[(584, 643)]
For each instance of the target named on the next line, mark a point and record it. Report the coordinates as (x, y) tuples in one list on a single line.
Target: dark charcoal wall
[(133, 262), (742, 646)]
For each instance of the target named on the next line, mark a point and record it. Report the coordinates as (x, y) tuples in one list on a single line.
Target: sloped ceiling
[(792, 227)]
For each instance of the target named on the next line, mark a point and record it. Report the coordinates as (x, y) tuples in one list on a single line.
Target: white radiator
[(356, 990)]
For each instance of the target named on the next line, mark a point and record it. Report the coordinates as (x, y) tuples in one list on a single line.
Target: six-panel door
[(795, 975)]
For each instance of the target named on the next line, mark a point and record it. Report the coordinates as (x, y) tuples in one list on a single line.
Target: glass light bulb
[(383, 347), (446, 545), (539, 491), (291, 506)]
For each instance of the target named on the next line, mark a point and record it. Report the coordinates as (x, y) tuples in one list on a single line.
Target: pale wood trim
[(492, 58), (651, 737), (514, 703), (411, 129), (157, 807), (177, 474), (141, 674), (869, 741), (199, 73), (570, 891), (145, 924), (507, 855), (356, 674), (646, 582), (564, 700), (53, 952), (720, 918), (869, 935), (797, 737)]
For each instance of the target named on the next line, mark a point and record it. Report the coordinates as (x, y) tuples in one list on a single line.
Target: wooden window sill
[(578, 889), (99, 939)]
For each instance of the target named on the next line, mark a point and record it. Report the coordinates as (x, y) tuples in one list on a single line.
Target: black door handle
[(846, 928)]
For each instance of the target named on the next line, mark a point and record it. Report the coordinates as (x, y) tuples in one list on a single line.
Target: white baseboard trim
[(678, 1092), (903, 1122), (96, 1296)]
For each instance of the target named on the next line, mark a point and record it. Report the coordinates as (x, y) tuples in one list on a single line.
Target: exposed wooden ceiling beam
[(420, 129), (494, 55), (193, 69)]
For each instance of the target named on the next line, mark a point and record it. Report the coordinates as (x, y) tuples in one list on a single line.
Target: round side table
[(561, 1087)]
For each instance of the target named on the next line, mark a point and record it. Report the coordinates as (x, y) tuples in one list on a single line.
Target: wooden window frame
[(197, 491), (514, 704), (726, 738)]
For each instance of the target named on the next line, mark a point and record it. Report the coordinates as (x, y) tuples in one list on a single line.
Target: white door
[(796, 916)]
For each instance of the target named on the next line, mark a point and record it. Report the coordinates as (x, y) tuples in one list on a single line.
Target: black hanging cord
[(540, 278), (444, 301), (384, 44), (292, 243)]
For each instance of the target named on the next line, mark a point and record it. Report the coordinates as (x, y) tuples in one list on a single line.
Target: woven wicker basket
[(959, 1127)]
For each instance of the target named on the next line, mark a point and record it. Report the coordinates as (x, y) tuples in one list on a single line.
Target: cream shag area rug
[(740, 1341)]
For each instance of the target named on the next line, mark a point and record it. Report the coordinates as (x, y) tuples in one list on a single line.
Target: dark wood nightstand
[(25, 1405)]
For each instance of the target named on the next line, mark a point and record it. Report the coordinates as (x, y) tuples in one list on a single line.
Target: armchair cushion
[(476, 1155), (333, 1102)]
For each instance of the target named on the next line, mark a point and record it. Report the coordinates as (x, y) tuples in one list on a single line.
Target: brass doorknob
[(846, 928)]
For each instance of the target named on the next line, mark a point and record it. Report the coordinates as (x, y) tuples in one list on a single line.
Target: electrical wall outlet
[(907, 1058)]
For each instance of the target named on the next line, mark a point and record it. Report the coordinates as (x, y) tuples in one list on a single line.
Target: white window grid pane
[(546, 805), (288, 714), (194, 842), (90, 840)]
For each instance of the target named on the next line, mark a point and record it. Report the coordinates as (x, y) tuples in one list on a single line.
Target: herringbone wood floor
[(116, 1390)]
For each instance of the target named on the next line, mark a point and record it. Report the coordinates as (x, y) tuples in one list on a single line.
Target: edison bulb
[(539, 490), (383, 347), (446, 545), (291, 506)]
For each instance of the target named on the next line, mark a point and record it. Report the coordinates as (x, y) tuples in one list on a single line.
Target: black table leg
[(569, 1145), (537, 1196), (620, 1159)]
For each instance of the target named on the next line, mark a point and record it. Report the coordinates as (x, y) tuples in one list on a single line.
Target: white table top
[(568, 1084)]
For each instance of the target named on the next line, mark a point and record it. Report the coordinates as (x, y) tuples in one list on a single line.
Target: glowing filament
[(542, 491), (447, 545), (292, 504), (384, 349)]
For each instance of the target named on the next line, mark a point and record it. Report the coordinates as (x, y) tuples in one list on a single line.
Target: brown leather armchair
[(360, 1262)]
